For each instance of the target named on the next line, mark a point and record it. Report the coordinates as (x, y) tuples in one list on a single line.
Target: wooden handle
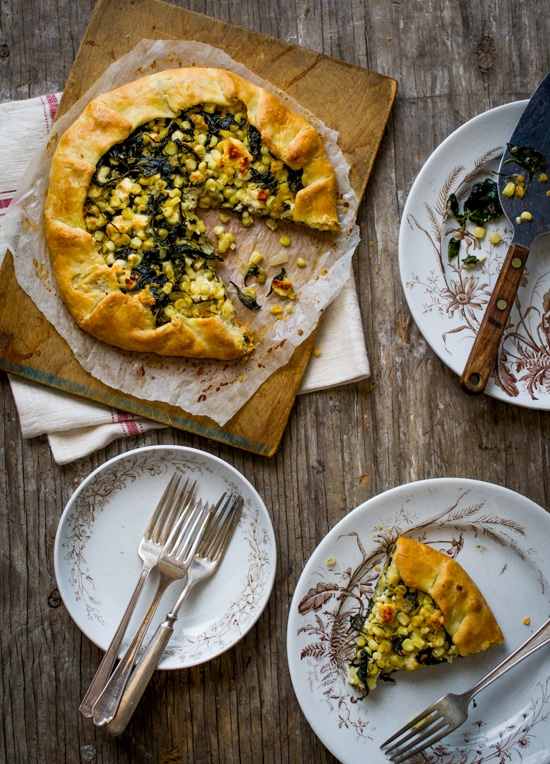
[(485, 348)]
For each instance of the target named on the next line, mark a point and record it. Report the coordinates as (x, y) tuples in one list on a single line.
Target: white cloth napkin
[(76, 427)]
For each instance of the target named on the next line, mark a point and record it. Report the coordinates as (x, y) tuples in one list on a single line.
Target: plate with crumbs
[(448, 272)]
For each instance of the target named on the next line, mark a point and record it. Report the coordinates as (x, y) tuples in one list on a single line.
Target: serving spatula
[(530, 138)]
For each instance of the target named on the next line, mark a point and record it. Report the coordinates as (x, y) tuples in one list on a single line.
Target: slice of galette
[(425, 610)]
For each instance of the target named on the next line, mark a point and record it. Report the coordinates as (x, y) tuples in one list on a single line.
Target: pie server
[(532, 132)]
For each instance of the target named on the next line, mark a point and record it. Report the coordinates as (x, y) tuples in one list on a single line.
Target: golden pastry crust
[(87, 284), (467, 616)]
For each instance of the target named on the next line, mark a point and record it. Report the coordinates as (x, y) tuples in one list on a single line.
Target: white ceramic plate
[(448, 301), (97, 566), (502, 540)]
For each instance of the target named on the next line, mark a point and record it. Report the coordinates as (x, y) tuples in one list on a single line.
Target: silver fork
[(216, 540), (174, 502), (172, 566), (450, 711)]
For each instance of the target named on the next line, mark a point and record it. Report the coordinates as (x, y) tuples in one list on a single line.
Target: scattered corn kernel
[(316, 352), (526, 215), (509, 189), (495, 237), (479, 232), (255, 258), (284, 241), (543, 177), (300, 262), (279, 259), (527, 621)]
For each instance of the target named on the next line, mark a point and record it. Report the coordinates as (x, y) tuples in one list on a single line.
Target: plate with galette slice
[(418, 592)]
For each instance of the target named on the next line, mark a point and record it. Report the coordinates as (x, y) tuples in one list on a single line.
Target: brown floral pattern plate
[(502, 540), (97, 566), (447, 296)]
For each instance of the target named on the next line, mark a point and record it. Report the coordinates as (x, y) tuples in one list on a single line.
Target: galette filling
[(402, 629), (141, 206)]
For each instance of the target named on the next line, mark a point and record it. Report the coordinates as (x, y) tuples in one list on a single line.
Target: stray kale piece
[(248, 301), (454, 209), (483, 204), (471, 260), (527, 157), (453, 248), (254, 270)]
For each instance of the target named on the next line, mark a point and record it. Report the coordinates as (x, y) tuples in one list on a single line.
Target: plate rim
[(64, 586)]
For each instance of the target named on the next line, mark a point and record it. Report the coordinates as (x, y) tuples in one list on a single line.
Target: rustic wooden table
[(452, 60)]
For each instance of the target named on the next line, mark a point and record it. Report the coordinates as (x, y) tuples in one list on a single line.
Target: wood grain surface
[(33, 349), (453, 59)]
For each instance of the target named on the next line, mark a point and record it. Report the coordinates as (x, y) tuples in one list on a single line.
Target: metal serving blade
[(532, 131)]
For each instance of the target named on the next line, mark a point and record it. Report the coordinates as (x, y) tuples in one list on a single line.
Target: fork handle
[(537, 640), (146, 665), (141, 676), (105, 667), (107, 704)]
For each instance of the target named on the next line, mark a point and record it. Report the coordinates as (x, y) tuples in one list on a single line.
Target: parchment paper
[(208, 388)]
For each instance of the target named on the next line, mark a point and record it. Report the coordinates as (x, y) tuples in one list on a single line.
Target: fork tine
[(412, 728), (176, 502), (226, 514), (428, 738), (220, 544), (422, 732), (161, 510), (185, 544)]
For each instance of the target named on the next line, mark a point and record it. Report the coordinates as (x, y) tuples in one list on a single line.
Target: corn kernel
[(509, 189), (526, 215), (255, 258), (495, 237)]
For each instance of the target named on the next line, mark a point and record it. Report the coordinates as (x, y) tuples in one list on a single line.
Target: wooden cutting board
[(353, 101)]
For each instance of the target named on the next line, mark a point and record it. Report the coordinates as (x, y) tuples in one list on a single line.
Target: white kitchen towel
[(76, 427)]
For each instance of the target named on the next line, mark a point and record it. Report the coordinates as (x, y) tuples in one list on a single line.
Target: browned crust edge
[(467, 617)]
